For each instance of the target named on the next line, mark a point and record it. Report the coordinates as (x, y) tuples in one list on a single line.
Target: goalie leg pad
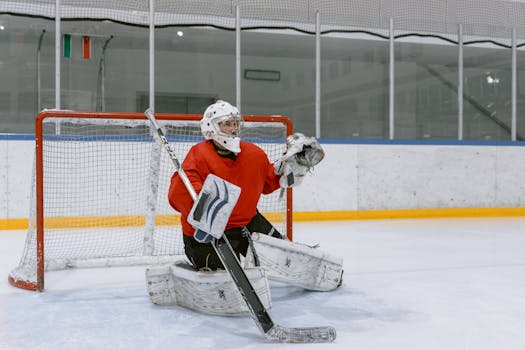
[(208, 292), (296, 264), (161, 285)]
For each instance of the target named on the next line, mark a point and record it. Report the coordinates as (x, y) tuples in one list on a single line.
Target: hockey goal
[(99, 194)]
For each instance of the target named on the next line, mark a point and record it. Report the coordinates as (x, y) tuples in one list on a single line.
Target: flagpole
[(101, 92)]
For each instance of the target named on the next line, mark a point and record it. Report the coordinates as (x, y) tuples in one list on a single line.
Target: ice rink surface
[(408, 285)]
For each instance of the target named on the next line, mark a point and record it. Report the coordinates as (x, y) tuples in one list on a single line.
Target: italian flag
[(85, 44)]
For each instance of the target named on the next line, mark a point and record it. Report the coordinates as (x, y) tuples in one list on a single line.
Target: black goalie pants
[(203, 256)]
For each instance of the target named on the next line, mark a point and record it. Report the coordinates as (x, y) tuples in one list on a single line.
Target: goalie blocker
[(213, 207)]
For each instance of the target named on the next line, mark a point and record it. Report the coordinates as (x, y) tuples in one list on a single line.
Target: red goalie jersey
[(250, 170)]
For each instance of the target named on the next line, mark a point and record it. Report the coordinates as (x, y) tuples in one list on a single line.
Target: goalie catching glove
[(301, 155)]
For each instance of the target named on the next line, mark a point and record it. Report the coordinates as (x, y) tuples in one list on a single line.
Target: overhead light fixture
[(180, 33), (492, 80), (259, 74), (2, 27)]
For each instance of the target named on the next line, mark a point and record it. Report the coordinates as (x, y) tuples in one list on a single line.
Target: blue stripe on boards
[(148, 138), (420, 142)]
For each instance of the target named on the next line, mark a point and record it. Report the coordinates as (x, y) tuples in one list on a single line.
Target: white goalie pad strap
[(296, 264), (214, 205), (208, 292)]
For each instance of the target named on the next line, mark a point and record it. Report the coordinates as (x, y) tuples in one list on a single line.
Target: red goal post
[(100, 184)]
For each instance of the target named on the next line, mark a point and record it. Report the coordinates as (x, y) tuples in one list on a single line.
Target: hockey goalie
[(229, 176)]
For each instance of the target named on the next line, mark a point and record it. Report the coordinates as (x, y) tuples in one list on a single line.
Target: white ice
[(408, 284)]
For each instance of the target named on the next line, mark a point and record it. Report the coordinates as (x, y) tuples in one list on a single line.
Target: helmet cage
[(233, 121), (212, 125)]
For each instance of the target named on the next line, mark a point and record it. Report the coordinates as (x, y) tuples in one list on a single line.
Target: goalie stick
[(272, 331)]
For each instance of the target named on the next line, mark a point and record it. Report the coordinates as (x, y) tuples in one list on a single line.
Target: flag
[(67, 45), (86, 47)]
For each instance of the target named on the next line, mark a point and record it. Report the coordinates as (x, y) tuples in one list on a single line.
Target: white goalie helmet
[(221, 122)]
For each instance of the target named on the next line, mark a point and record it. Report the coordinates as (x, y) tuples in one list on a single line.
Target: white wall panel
[(410, 177), (333, 184), (354, 177), (4, 165), (510, 181), (15, 181)]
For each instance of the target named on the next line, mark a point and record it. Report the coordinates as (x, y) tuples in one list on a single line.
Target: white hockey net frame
[(99, 196)]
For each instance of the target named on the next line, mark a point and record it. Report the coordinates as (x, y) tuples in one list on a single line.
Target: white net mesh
[(105, 191), (484, 17)]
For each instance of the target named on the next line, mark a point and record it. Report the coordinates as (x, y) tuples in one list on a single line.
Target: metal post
[(152, 55), (514, 85), (238, 58), (58, 55), (317, 75), (38, 72), (460, 82), (391, 81), (151, 200)]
